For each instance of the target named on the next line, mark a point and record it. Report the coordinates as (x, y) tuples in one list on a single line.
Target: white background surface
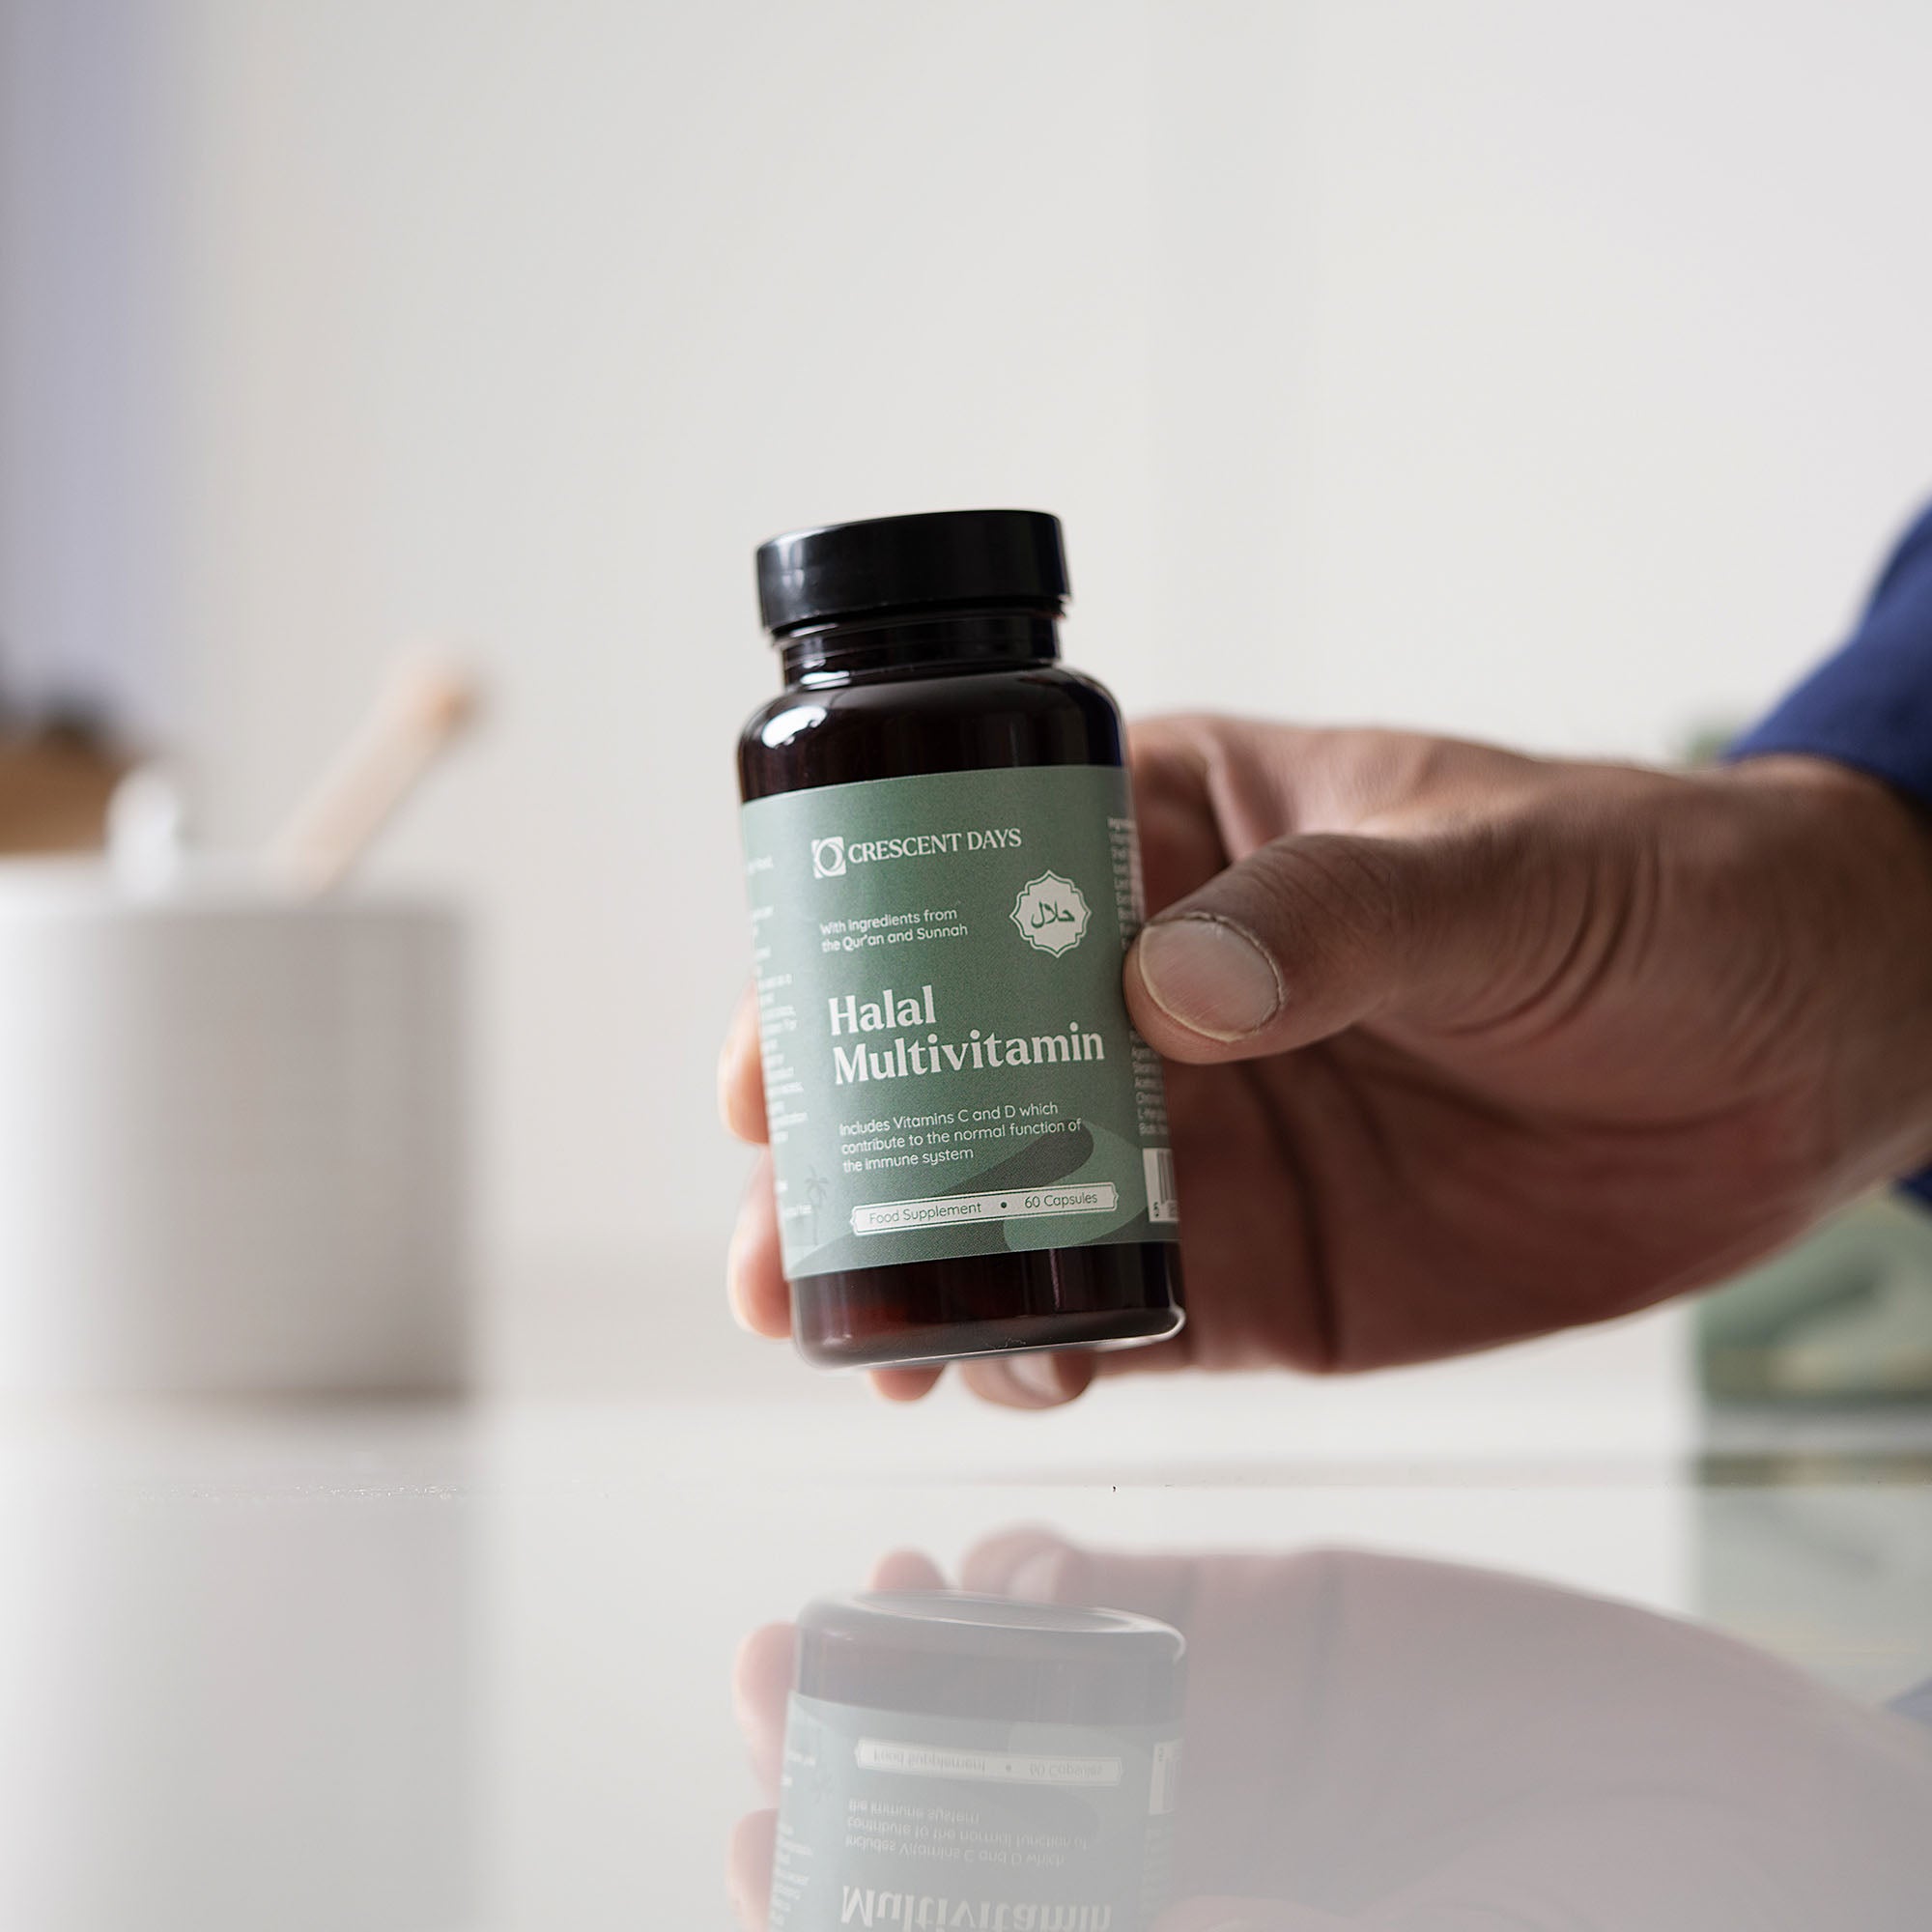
[(1554, 374)]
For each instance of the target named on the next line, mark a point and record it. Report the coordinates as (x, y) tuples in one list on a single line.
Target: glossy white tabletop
[(1452, 1660)]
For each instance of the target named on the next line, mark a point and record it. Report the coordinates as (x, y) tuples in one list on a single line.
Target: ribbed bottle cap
[(890, 563)]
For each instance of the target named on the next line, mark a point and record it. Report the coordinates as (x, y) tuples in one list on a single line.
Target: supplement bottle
[(960, 1761), (969, 1139)]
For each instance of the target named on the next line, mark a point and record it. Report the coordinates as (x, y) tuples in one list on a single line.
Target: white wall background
[(1548, 372)]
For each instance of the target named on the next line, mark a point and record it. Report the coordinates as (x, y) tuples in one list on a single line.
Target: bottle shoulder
[(940, 721)]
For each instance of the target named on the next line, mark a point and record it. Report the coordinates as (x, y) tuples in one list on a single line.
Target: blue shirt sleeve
[(1870, 705)]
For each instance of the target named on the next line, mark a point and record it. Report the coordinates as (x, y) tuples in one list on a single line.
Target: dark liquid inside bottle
[(900, 696)]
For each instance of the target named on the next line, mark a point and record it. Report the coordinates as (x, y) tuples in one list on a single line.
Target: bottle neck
[(907, 644)]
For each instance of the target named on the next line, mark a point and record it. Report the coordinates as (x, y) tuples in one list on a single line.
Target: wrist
[(1826, 782), (1871, 846)]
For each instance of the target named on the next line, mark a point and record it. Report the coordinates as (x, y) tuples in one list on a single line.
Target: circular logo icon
[(1051, 914), (828, 857)]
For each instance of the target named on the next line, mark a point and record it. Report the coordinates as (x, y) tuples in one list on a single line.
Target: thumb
[(1311, 933)]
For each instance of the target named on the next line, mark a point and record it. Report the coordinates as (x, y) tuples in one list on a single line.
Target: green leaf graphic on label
[(1051, 914)]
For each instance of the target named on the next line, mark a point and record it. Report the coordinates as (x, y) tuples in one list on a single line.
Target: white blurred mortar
[(231, 1135)]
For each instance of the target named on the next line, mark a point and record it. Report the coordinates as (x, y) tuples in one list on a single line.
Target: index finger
[(741, 1073), (761, 1681)]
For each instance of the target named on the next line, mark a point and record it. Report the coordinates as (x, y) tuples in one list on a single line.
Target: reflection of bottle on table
[(966, 1761)]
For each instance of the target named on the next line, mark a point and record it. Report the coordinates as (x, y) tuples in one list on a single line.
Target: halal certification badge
[(1051, 914)]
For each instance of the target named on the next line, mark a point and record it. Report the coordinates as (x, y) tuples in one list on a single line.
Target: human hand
[(1465, 1048)]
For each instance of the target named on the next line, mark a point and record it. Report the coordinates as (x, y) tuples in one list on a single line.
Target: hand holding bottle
[(1464, 1046)]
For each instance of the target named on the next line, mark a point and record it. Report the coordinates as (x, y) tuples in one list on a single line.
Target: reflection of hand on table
[(1383, 1742), (762, 1684)]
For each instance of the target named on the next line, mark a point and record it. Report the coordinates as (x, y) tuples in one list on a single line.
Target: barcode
[(1163, 1203)]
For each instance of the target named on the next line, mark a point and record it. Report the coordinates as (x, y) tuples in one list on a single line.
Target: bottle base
[(929, 1313), (915, 1350)]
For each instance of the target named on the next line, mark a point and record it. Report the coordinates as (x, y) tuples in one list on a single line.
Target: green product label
[(948, 1064), (935, 1824)]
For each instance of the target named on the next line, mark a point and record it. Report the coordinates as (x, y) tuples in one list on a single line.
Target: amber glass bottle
[(969, 1137)]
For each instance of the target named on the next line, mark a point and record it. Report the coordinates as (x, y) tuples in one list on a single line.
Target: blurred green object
[(1706, 742), (1846, 1316)]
